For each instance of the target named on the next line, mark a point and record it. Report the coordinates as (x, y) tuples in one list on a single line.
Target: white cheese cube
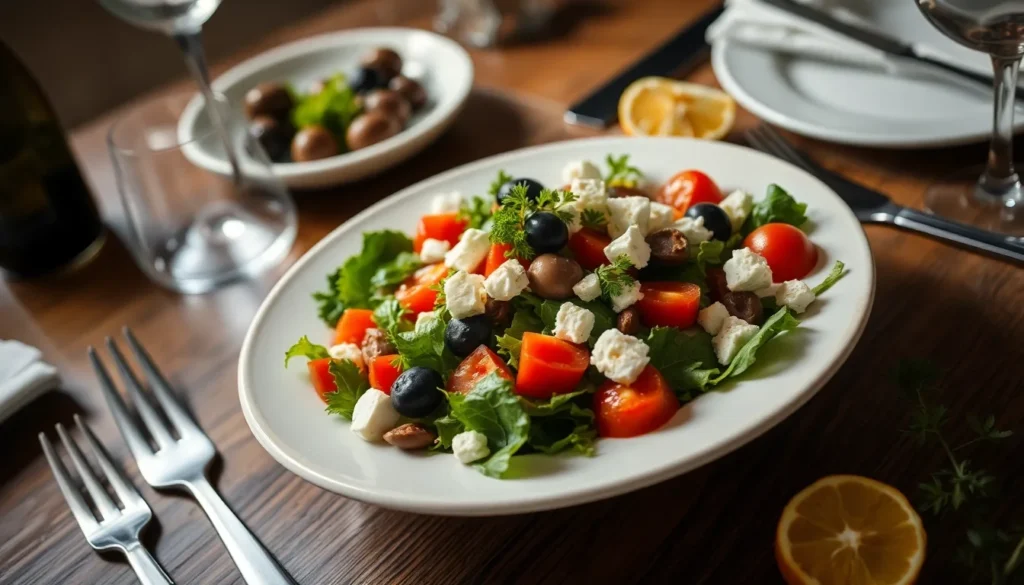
[(590, 194), (434, 250), (662, 216), (507, 281), (470, 251), (347, 351), (694, 230), (619, 357), (627, 211), (574, 224), (712, 317), (768, 291), (589, 288), (464, 294), (631, 245), (373, 415), (579, 169), (446, 202), (794, 294), (747, 271), (470, 446), (573, 323), (627, 297), (735, 333), (737, 206)]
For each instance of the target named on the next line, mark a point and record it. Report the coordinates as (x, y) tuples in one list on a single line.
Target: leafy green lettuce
[(333, 108), (394, 272), (778, 206), (684, 357), (350, 285), (494, 410), (561, 423), (305, 348), (830, 280), (424, 346), (351, 385), (782, 320)]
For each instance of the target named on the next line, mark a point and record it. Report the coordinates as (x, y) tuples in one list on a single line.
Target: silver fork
[(118, 528), (179, 461)]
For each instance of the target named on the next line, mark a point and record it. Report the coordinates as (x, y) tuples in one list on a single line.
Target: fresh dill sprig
[(500, 180), (507, 223), (621, 173), (615, 278), (594, 219)]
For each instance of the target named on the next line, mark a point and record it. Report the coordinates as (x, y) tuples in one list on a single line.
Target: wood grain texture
[(714, 525)]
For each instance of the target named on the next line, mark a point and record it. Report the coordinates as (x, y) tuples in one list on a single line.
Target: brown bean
[(629, 321), (410, 436), (371, 128), (375, 343), (313, 143), (384, 60), (500, 312), (275, 136), (717, 285), (411, 90), (553, 276), (744, 305), (668, 247), (268, 99), (389, 102)]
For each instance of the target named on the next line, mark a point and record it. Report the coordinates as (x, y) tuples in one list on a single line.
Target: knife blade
[(878, 41), (684, 50)]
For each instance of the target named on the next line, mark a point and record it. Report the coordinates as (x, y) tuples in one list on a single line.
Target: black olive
[(533, 189), (715, 219), (545, 233), (274, 136), (462, 336), (366, 79), (416, 393)]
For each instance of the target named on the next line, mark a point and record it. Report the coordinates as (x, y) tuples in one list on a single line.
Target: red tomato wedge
[(416, 294), (549, 366), (688, 188), (496, 257), (628, 410), (320, 375), (588, 246), (790, 253), (669, 304), (476, 367), (439, 226), (352, 326), (384, 370)]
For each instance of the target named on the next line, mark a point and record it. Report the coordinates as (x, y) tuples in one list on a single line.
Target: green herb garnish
[(615, 277), (620, 173)]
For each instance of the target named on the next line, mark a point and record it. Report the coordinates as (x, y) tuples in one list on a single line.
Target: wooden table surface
[(714, 525)]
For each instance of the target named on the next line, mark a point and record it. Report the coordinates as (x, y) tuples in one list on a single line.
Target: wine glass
[(995, 201)]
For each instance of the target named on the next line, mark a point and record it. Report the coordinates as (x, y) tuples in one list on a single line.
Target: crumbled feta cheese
[(470, 251), (507, 281), (768, 291), (589, 288), (446, 202), (373, 415), (629, 295), (590, 194), (580, 169), (434, 250), (794, 294), (694, 230), (747, 271), (733, 335), (619, 357), (573, 323), (627, 211), (631, 245), (470, 446), (575, 223), (737, 206), (464, 294), (712, 317), (347, 351), (662, 217)]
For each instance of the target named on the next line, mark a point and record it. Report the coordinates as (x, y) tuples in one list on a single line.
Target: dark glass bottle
[(48, 220)]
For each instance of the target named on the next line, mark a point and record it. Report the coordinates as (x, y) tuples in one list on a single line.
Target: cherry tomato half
[(416, 294), (496, 257), (321, 377), (669, 304), (352, 326), (688, 188), (588, 246), (439, 226), (628, 410), (789, 252), (476, 367), (549, 366), (384, 370)]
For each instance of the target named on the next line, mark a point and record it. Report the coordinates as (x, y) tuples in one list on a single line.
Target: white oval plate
[(440, 64), (289, 421)]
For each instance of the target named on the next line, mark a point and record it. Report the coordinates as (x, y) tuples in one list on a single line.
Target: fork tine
[(132, 437), (79, 509), (790, 153), (108, 509), (156, 427), (125, 490), (161, 388)]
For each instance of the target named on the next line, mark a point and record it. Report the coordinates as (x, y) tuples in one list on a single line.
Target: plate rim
[(295, 463)]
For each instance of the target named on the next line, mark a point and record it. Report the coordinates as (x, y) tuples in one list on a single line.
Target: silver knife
[(878, 41)]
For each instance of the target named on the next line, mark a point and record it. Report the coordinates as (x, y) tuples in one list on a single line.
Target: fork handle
[(253, 561), (1006, 247), (145, 566)]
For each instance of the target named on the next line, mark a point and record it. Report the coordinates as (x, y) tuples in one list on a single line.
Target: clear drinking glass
[(995, 201), (190, 229)]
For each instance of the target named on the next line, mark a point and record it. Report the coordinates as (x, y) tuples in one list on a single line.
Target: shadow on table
[(20, 431)]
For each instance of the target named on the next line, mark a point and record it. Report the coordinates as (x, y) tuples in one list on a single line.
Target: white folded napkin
[(23, 376)]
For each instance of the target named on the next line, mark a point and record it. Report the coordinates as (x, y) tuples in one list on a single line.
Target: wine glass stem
[(192, 46), (1000, 179)]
